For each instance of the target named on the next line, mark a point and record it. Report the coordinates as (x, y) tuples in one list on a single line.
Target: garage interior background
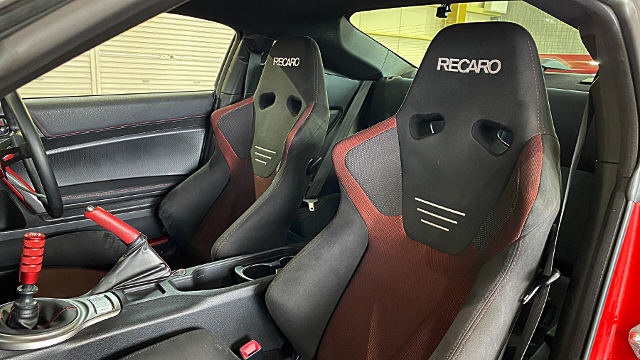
[(178, 53)]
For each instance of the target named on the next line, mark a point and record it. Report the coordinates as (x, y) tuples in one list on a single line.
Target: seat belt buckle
[(540, 281), (251, 351), (310, 203)]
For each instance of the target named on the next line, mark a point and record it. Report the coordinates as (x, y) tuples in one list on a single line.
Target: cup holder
[(257, 271)]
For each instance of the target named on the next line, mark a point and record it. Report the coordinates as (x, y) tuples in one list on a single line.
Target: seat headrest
[(292, 80), (477, 99)]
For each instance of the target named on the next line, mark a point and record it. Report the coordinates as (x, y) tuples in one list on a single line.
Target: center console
[(225, 297)]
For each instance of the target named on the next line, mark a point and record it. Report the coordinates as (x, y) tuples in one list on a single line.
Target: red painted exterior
[(579, 64), (620, 313)]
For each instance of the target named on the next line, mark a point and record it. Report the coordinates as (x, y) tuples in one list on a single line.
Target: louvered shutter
[(71, 78), (167, 53)]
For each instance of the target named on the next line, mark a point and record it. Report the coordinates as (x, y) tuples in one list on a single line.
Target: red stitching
[(55, 317), (10, 312), (473, 317), (113, 127), (115, 191)]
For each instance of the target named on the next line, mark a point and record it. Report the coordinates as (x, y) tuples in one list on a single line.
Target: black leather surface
[(293, 79), (97, 250), (139, 265), (118, 190), (57, 117), (435, 168), (52, 314), (196, 344)]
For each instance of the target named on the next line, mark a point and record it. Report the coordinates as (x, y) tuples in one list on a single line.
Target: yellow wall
[(167, 53), (408, 31)]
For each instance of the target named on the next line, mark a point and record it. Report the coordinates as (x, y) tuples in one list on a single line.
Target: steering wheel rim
[(16, 111)]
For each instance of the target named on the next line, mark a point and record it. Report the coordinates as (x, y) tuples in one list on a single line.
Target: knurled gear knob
[(31, 261)]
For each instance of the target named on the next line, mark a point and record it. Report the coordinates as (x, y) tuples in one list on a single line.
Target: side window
[(408, 31), (165, 54)]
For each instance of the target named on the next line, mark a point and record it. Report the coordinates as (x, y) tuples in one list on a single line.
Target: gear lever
[(24, 314), (139, 265)]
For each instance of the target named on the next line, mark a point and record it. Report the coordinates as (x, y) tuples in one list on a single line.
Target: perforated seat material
[(405, 295)]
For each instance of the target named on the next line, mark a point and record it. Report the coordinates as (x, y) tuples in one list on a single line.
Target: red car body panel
[(579, 64), (620, 313)]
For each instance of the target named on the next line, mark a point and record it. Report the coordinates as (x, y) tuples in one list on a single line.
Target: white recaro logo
[(466, 66), (282, 61)]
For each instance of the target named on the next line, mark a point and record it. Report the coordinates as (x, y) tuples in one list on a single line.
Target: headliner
[(276, 18)]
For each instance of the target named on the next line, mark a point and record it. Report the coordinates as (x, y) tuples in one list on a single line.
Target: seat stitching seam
[(476, 312), (535, 80), (55, 317), (264, 198), (257, 204), (485, 307), (116, 191), (113, 127), (521, 236)]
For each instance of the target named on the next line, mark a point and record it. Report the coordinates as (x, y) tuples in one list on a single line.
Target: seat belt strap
[(343, 130), (539, 290), (254, 70)]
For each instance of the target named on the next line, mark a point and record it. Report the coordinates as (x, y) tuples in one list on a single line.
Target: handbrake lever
[(118, 227), (139, 265)]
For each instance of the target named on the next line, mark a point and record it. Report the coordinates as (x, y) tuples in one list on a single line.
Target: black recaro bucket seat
[(445, 212), (244, 199)]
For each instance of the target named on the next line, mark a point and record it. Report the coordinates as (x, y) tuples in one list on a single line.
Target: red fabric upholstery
[(242, 190), (404, 295)]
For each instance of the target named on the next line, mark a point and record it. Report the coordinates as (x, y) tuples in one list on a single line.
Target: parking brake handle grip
[(139, 265), (112, 223)]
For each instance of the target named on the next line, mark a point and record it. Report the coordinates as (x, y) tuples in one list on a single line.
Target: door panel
[(122, 152)]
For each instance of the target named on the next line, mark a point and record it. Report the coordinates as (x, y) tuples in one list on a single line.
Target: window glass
[(167, 53), (408, 31)]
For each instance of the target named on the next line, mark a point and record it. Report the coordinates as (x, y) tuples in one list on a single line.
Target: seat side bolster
[(303, 296), (265, 224), (185, 206), (482, 326)]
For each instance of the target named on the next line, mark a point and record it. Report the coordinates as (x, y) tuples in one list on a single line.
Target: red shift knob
[(31, 261)]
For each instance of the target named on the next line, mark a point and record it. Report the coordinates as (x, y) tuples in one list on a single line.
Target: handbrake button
[(101, 304)]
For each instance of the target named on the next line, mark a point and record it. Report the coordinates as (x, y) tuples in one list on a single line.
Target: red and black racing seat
[(244, 199), (445, 212)]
